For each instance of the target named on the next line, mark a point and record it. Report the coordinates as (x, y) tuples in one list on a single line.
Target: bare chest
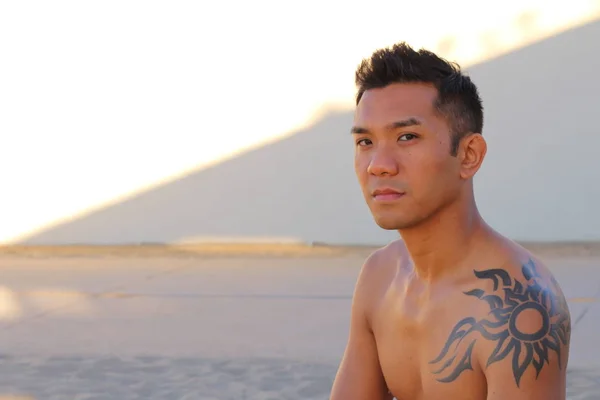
[(424, 351)]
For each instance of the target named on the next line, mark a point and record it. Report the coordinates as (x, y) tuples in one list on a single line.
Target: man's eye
[(407, 137), (363, 142)]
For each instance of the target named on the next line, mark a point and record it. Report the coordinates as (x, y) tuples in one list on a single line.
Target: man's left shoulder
[(525, 337)]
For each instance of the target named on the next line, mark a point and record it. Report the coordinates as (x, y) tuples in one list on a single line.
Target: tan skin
[(411, 299)]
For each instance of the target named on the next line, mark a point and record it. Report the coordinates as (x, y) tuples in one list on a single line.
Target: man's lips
[(387, 194)]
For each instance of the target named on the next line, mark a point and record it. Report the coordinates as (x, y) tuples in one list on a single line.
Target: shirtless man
[(454, 310)]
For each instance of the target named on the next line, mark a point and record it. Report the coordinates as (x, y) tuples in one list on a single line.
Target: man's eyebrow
[(412, 121), (394, 125), (359, 130)]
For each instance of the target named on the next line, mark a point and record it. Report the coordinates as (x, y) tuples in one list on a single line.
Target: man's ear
[(471, 152)]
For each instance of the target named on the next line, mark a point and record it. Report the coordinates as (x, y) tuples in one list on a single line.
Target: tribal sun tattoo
[(510, 297)]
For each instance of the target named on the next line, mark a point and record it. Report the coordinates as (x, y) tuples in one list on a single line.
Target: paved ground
[(181, 326)]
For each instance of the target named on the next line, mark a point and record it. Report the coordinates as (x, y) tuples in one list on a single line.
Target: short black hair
[(458, 98)]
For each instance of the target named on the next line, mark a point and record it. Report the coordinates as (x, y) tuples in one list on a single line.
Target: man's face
[(402, 155)]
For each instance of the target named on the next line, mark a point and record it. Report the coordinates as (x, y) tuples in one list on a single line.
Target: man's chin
[(393, 223), (388, 224)]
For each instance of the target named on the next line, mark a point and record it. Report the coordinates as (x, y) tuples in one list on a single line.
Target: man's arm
[(531, 363), (359, 376)]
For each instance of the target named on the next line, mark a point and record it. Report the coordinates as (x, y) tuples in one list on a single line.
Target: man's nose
[(383, 163)]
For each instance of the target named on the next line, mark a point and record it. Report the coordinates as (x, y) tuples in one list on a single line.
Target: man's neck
[(444, 242)]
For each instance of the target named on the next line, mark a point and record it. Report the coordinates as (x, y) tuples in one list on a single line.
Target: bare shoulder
[(382, 264), (515, 328), (392, 252), (525, 332), (377, 273)]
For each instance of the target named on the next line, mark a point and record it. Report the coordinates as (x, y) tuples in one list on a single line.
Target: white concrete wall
[(146, 121)]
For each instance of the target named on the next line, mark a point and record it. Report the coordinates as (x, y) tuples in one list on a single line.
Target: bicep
[(517, 378), (359, 375)]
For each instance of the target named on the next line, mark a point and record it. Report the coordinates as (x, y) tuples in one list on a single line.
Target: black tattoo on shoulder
[(501, 325)]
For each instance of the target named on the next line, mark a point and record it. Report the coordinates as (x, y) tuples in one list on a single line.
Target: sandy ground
[(182, 324)]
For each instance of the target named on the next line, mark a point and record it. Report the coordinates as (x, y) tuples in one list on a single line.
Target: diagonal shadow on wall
[(301, 187), (539, 181)]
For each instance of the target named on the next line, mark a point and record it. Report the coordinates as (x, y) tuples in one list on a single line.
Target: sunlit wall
[(102, 100)]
